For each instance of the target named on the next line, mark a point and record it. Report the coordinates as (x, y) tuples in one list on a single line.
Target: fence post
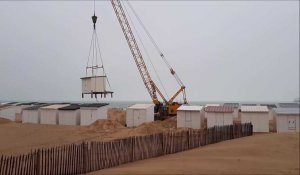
[(84, 164), (37, 162)]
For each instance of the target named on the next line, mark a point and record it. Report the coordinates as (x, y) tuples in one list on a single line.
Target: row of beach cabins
[(54, 114), (282, 117)]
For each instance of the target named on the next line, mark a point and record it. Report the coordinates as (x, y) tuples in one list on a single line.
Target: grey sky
[(223, 51)]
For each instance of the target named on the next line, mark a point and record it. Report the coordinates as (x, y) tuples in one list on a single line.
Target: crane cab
[(172, 108)]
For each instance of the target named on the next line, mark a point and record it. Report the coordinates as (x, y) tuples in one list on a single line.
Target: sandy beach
[(259, 154)]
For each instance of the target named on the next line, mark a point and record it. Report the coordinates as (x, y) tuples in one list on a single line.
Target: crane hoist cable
[(145, 50), (95, 53), (179, 81)]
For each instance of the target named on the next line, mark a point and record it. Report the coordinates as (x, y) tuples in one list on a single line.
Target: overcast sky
[(222, 51)]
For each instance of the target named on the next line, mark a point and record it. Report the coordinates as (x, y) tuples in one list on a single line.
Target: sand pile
[(3, 121), (103, 124), (155, 127), (117, 114)]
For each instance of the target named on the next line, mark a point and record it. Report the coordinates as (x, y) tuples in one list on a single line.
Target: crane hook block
[(94, 18)]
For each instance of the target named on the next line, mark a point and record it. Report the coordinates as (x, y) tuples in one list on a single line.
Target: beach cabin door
[(188, 119), (292, 123)]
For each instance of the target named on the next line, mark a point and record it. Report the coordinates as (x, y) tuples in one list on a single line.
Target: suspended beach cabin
[(89, 113), (49, 114), (95, 85), (69, 115), (257, 115), (32, 114), (138, 114), (190, 117), (287, 119), (219, 115)]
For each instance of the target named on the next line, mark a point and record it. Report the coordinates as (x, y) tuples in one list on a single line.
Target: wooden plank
[(18, 166), (73, 159), (56, 160), (68, 154), (26, 163), (23, 170), (77, 159), (6, 165), (14, 165), (1, 164), (29, 168), (69, 149)]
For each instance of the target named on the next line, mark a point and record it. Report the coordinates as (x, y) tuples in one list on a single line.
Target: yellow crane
[(167, 107)]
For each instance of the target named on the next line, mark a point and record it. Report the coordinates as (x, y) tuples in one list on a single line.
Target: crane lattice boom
[(138, 58)]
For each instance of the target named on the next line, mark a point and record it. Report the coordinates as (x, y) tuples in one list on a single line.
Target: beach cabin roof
[(234, 105), (189, 108), (269, 105), (97, 105), (288, 105), (141, 106), (254, 109), (70, 107), (55, 106), (4, 106), (219, 109), (212, 104), (288, 111), (36, 107)]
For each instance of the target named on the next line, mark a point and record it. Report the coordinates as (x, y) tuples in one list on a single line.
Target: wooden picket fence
[(92, 156)]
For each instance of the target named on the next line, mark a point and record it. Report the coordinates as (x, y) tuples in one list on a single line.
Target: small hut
[(69, 115), (235, 107), (32, 114), (12, 111), (257, 115), (49, 114), (207, 105), (271, 111), (91, 112), (138, 114), (287, 119), (219, 115), (190, 117)]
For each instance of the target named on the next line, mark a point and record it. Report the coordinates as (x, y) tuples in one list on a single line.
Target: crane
[(162, 109)]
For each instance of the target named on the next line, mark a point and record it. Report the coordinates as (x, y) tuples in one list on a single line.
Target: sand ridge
[(18, 138)]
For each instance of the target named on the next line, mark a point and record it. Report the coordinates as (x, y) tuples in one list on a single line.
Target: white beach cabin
[(207, 105), (235, 108), (257, 115), (271, 111), (49, 114), (219, 115), (190, 117), (287, 119), (89, 113), (69, 115), (32, 114), (138, 114), (11, 111)]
